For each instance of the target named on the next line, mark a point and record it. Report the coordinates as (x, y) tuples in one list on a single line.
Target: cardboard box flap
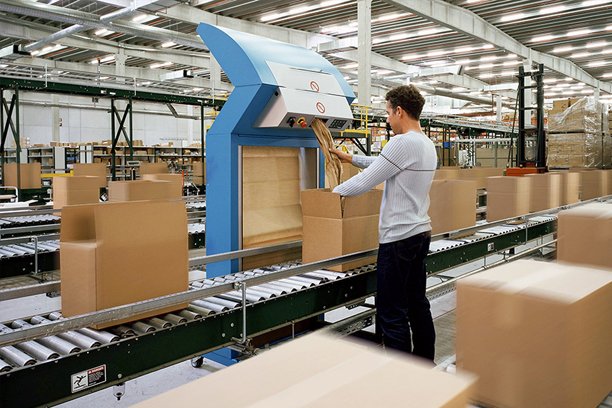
[(76, 182), (593, 210), (323, 203), (78, 223), (550, 281)]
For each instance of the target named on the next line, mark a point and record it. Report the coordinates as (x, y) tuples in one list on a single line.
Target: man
[(406, 164)]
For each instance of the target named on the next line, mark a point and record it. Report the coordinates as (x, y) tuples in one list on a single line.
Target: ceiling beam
[(185, 13), (466, 22), (109, 70), (32, 32)]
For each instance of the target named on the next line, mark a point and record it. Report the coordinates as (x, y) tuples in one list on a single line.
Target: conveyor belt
[(47, 348), (11, 222), (212, 322), (18, 258)]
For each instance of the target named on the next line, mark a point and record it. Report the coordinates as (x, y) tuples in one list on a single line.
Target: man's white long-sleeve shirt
[(407, 165)]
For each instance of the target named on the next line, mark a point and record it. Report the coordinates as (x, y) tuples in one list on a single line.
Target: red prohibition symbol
[(320, 107), (314, 86)]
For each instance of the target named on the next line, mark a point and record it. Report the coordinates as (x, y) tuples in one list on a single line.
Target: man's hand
[(344, 157)]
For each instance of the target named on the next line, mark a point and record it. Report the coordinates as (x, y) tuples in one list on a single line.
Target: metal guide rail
[(223, 311)]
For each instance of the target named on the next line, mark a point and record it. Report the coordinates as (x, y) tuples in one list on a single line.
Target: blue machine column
[(247, 60)]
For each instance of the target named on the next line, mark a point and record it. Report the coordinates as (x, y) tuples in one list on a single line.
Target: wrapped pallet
[(576, 138)]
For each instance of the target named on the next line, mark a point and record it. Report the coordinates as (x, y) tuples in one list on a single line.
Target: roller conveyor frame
[(134, 356)]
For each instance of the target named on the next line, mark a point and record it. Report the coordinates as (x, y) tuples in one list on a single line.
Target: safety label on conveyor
[(88, 378)]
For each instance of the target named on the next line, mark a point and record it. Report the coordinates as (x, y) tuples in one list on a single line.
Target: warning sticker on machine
[(88, 378)]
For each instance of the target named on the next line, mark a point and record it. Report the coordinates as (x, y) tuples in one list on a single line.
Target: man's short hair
[(408, 98)]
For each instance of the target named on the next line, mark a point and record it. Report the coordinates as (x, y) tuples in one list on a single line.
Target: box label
[(88, 378)]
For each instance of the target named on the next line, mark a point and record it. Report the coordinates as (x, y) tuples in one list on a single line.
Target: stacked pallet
[(576, 136)]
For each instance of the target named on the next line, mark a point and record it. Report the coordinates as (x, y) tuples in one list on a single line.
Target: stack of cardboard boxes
[(575, 137)]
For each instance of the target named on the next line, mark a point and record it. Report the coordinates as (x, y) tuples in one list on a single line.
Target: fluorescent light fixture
[(103, 78), (513, 17), (102, 60), (271, 17), (430, 31), (197, 89), (489, 58), (103, 32), (580, 55), (384, 72), (3, 65), (568, 79), (411, 57), (463, 61), (577, 33), (550, 80), (587, 91), (168, 44), (144, 18), (541, 38), (608, 28), (485, 76), (300, 10), (564, 48), (388, 17), (511, 63), (463, 49), (342, 29), (161, 65), (507, 73), (553, 9), (589, 3), (459, 89), (487, 46), (596, 44), (436, 53), (607, 75), (350, 65), (50, 48), (486, 66), (397, 37), (597, 64)]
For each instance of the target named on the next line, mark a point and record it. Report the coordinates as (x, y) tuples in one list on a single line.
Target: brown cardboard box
[(199, 173), (153, 168), (447, 173), (176, 181), (75, 190), (452, 205), (507, 197), (334, 226), (537, 334), (348, 171), (570, 187), (92, 169), (585, 235), (113, 254), (480, 174), (138, 190), (592, 184), (545, 191), (324, 372), (29, 175)]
